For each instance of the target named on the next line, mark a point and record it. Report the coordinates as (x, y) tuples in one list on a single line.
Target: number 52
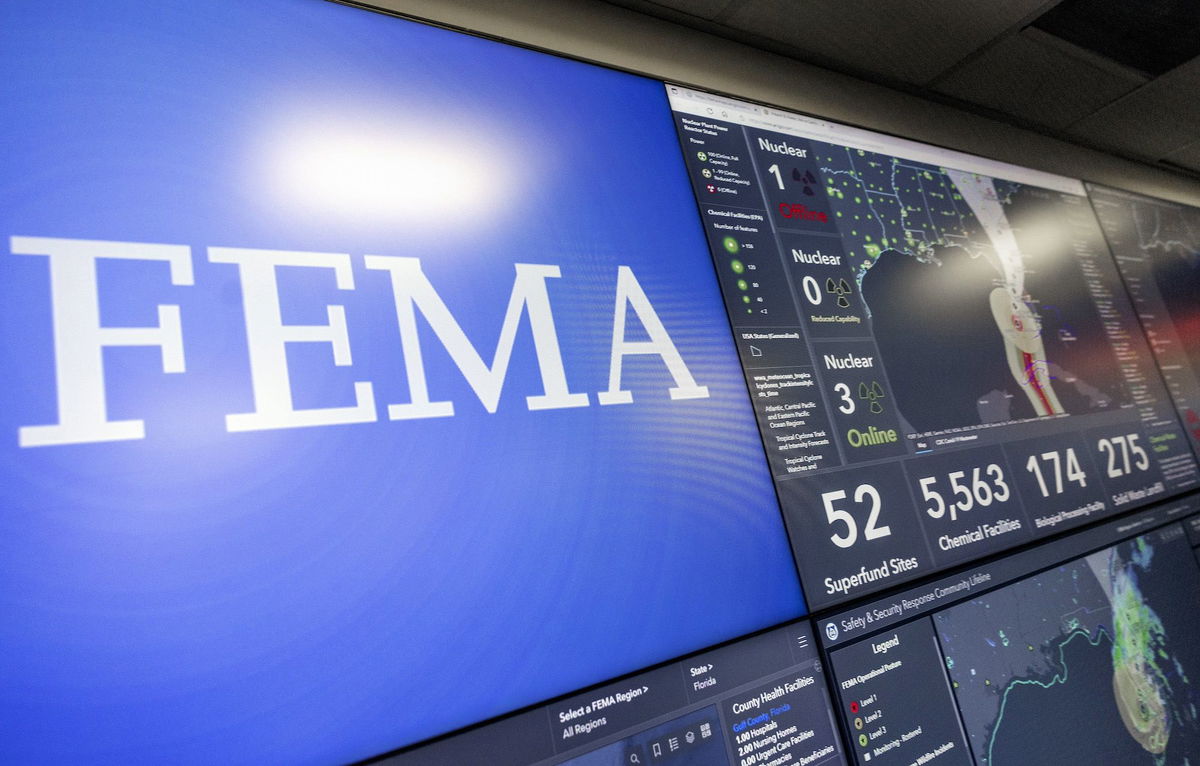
[(872, 531)]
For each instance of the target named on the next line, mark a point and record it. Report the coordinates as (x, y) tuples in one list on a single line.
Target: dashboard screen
[(1157, 246), (363, 380), (940, 351), (1102, 641), (757, 701), (1080, 649)]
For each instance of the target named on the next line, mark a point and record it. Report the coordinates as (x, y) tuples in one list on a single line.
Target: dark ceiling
[(1123, 77)]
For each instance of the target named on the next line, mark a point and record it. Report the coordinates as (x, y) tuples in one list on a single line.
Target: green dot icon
[(745, 299), (862, 740), (737, 266), (731, 245), (743, 284), (702, 156)]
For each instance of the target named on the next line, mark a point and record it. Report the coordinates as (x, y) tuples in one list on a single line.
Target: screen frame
[(812, 616)]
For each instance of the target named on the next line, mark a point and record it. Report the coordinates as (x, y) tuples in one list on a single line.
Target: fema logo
[(831, 631)]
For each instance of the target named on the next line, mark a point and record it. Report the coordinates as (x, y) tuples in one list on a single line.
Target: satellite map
[(986, 268), (1091, 662)]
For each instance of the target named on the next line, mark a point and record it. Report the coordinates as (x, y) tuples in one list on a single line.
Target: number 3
[(843, 391)]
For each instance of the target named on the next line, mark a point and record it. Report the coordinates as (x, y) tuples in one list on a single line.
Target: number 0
[(812, 290)]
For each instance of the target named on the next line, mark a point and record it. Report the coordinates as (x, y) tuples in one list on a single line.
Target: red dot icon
[(853, 707)]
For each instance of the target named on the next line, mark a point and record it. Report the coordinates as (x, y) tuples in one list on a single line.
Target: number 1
[(774, 170)]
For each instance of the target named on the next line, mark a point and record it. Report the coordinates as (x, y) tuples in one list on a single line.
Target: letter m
[(413, 291)]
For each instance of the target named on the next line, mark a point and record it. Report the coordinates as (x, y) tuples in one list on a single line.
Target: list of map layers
[(1138, 230), (787, 402), (721, 171), (748, 267), (791, 409), (1164, 340), (739, 232), (1134, 358), (895, 699)]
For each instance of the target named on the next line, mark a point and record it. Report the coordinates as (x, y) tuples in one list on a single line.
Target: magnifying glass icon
[(634, 758)]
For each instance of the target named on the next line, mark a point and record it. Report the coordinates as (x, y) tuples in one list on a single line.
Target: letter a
[(629, 292)]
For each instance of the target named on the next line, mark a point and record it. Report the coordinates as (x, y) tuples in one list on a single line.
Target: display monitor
[(1157, 245), (1079, 650), (758, 701), (363, 380), (942, 357)]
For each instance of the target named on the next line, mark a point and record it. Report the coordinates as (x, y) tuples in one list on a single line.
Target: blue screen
[(300, 509)]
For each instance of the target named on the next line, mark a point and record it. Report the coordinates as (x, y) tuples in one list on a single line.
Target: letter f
[(80, 340)]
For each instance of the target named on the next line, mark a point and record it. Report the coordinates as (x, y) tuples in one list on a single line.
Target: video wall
[(941, 355), (380, 391)]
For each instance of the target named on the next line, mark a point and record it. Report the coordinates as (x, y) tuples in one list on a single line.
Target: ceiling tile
[(1188, 157), (704, 9), (1153, 121), (1038, 83), (1153, 37), (911, 41)]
